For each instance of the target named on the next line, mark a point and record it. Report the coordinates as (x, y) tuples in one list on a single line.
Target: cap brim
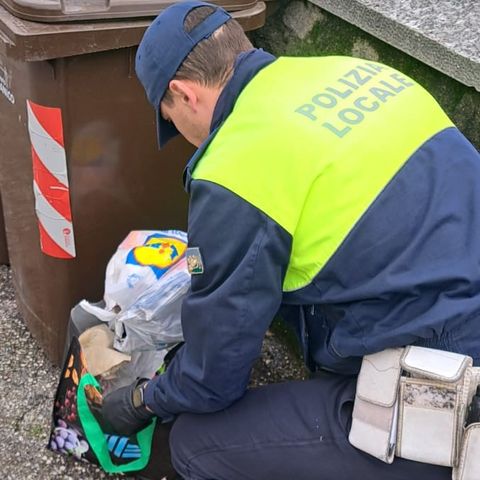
[(165, 130)]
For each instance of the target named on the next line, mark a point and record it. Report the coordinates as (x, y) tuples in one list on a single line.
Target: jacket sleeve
[(230, 305)]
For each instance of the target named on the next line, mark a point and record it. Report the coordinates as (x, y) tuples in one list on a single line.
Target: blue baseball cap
[(163, 49)]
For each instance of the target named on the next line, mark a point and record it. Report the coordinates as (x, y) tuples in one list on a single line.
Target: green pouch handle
[(96, 437)]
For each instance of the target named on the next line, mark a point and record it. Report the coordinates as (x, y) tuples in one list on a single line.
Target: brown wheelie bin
[(79, 163)]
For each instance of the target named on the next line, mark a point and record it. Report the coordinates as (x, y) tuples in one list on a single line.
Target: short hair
[(210, 63)]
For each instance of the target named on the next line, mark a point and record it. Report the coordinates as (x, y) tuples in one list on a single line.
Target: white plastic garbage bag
[(145, 283), (139, 263)]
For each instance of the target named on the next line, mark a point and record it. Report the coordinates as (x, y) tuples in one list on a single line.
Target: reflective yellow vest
[(315, 157)]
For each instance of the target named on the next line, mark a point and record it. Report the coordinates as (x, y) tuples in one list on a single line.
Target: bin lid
[(73, 10), (35, 41)]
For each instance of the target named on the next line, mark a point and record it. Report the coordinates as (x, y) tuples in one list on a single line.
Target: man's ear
[(184, 92)]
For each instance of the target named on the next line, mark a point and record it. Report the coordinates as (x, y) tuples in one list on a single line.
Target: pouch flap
[(435, 364), (379, 377), (374, 429)]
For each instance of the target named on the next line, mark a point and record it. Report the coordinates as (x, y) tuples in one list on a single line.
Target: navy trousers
[(289, 431)]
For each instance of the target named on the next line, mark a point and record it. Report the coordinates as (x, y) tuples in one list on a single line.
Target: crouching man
[(332, 189)]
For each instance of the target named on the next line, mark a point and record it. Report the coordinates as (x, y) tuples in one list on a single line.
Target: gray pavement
[(28, 382)]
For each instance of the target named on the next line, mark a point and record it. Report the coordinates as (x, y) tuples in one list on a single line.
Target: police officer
[(332, 189)]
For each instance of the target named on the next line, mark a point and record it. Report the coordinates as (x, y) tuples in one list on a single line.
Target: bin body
[(118, 181)]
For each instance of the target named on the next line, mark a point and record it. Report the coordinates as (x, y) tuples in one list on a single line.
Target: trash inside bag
[(145, 283), (101, 357), (142, 365)]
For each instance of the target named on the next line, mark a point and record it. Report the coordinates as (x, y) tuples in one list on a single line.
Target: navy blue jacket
[(407, 273)]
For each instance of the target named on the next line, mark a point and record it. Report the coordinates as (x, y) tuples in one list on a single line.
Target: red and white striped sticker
[(50, 181)]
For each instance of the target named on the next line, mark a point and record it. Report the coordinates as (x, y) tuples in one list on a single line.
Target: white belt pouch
[(413, 402), (375, 409)]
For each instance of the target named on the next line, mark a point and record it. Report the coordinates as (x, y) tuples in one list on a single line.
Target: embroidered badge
[(194, 261)]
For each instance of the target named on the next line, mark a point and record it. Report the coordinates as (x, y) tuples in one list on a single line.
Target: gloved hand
[(124, 411)]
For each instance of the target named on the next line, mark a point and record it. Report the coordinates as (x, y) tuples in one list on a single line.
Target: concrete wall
[(299, 28)]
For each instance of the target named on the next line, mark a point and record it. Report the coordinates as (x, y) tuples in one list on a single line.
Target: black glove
[(124, 414)]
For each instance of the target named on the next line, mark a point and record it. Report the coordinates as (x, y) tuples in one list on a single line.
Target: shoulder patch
[(194, 261)]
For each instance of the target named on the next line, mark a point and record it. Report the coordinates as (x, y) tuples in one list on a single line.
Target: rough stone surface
[(334, 36), (27, 386), (441, 33)]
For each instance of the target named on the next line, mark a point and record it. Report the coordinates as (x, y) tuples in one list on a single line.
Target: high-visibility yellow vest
[(312, 142)]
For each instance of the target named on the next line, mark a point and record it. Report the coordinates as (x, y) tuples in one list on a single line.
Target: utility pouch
[(469, 461), (435, 390), (374, 417)]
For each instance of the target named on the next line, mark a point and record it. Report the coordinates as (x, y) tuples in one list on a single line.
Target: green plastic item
[(96, 437)]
